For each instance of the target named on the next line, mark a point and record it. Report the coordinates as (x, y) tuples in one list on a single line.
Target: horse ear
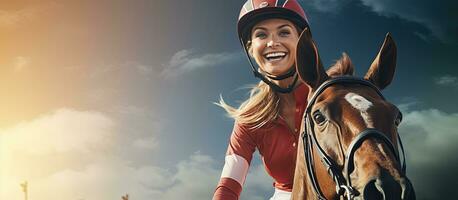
[(308, 63), (382, 68)]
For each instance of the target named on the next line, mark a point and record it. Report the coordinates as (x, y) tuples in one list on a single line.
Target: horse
[(349, 146)]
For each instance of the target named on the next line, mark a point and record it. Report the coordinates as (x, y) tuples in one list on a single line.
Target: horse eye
[(318, 117)]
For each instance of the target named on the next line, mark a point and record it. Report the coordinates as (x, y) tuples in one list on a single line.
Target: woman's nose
[(272, 42)]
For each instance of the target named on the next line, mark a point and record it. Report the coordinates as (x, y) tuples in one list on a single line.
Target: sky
[(99, 99)]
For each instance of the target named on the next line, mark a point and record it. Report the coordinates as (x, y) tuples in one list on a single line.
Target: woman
[(270, 119)]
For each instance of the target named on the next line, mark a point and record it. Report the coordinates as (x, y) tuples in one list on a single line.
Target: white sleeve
[(235, 167)]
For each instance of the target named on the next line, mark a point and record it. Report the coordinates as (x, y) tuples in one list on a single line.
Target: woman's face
[(273, 45)]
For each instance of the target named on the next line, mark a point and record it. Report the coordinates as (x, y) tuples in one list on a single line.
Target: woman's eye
[(284, 33), (319, 118), (260, 35)]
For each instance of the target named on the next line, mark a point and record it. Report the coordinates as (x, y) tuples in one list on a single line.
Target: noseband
[(343, 184)]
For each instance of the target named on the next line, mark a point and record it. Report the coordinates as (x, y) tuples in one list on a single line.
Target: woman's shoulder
[(254, 129), (243, 128)]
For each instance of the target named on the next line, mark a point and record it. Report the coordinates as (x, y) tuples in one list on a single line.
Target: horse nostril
[(373, 190), (408, 192), (385, 187)]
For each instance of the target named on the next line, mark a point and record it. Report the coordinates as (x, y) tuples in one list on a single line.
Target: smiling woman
[(269, 120)]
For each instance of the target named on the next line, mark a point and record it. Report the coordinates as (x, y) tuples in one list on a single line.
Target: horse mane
[(341, 67)]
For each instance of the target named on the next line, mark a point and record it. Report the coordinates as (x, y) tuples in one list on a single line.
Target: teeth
[(275, 54)]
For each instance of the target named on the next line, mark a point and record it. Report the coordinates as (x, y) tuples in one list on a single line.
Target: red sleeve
[(242, 142), (227, 189), (238, 157)]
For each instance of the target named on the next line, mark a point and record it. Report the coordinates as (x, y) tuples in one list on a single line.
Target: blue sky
[(119, 95)]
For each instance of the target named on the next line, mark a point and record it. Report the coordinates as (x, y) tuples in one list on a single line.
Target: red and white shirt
[(277, 145)]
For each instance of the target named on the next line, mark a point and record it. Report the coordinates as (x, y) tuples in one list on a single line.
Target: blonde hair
[(262, 107)]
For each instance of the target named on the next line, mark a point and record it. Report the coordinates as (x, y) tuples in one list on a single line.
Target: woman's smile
[(273, 57)]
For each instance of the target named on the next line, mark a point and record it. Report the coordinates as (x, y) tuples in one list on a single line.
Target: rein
[(343, 184)]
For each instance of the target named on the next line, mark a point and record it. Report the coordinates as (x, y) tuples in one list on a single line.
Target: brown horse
[(349, 142)]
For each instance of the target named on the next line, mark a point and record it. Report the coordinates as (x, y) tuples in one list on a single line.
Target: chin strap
[(274, 86), (263, 75), (288, 74)]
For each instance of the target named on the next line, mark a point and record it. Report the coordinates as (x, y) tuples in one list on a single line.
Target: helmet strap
[(286, 75), (276, 87)]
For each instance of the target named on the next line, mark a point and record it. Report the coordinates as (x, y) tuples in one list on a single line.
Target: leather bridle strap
[(308, 151), (308, 141), (356, 143), (341, 79)]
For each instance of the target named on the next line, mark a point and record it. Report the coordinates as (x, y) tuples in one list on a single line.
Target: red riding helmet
[(254, 11)]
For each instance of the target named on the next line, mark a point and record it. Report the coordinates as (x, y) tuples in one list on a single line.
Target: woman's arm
[(237, 161)]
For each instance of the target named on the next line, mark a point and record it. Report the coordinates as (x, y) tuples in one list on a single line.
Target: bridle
[(343, 183)]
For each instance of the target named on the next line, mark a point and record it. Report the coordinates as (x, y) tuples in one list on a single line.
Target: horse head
[(350, 139)]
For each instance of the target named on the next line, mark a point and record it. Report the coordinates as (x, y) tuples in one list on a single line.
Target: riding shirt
[(277, 145)]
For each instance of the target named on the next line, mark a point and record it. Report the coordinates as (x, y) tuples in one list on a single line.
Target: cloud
[(447, 80), (185, 61), (197, 178), (408, 104), (436, 17), (20, 62), (105, 179), (258, 185), (193, 178), (62, 131), (72, 154), (62, 140), (430, 137), (13, 18)]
